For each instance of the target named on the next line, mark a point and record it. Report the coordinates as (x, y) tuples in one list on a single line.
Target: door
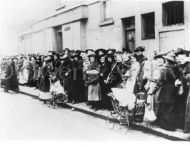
[(129, 30), (130, 40)]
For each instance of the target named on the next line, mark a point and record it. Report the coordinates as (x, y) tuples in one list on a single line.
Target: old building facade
[(157, 25)]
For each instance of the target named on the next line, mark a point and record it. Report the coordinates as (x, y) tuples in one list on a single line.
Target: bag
[(149, 115)]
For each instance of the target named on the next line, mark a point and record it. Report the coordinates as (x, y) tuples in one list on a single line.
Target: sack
[(149, 115)]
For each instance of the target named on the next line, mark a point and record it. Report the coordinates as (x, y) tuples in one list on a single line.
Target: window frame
[(144, 21)]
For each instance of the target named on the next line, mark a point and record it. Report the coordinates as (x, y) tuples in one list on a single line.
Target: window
[(105, 13), (173, 13), (148, 26), (107, 9)]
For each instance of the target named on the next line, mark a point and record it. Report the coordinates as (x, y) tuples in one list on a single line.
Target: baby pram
[(55, 96), (127, 108)]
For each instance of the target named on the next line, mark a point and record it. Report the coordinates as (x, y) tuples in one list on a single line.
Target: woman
[(114, 78), (103, 75), (11, 82), (165, 94), (31, 71), (92, 81), (77, 83), (187, 113), (39, 64), (23, 75), (44, 85)]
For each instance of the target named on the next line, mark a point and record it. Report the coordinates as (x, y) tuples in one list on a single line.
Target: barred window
[(173, 13)]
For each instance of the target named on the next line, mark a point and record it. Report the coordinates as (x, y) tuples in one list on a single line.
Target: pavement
[(26, 118), (104, 114)]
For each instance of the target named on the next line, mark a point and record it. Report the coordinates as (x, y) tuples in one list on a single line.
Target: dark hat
[(111, 51), (180, 51), (51, 52), (92, 55), (48, 58), (140, 48), (100, 49), (87, 50), (110, 55), (73, 55), (126, 50), (67, 49)]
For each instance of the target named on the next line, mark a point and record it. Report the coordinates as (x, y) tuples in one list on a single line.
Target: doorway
[(59, 39), (129, 32)]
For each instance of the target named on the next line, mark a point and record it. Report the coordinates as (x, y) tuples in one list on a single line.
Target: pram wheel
[(111, 120)]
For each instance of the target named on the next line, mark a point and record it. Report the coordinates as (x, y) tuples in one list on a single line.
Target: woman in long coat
[(11, 82), (44, 85), (187, 113), (165, 95), (92, 81), (103, 85), (77, 82), (31, 71)]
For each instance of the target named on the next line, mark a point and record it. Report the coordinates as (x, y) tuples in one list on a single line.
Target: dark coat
[(114, 75), (187, 112), (31, 74), (77, 82), (11, 81), (165, 95), (181, 99), (44, 80), (166, 89)]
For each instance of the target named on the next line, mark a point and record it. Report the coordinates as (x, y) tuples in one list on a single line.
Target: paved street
[(23, 117)]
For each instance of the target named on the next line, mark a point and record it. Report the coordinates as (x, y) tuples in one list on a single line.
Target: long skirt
[(94, 92), (187, 116), (77, 90), (166, 116)]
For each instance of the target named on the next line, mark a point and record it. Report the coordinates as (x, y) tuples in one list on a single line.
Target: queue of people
[(88, 76)]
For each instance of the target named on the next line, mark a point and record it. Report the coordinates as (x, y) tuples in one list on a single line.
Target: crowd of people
[(88, 76)]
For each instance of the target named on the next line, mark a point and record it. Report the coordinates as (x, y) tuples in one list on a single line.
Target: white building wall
[(93, 36), (71, 36)]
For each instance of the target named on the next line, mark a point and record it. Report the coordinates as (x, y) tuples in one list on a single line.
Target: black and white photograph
[(97, 71)]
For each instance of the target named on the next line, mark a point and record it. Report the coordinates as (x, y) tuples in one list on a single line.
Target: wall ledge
[(106, 22)]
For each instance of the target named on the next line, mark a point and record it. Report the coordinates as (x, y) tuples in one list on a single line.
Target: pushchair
[(126, 109), (55, 96), (58, 94)]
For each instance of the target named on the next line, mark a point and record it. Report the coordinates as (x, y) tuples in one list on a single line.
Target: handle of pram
[(112, 96)]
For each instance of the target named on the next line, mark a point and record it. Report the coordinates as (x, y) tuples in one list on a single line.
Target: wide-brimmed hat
[(67, 49), (48, 58), (180, 50), (110, 55), (140, 48), (126, 50), (89, 50), (170, 57), (73, 55), (111, 51), (100, 49), (92, 55), (160, 55)]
